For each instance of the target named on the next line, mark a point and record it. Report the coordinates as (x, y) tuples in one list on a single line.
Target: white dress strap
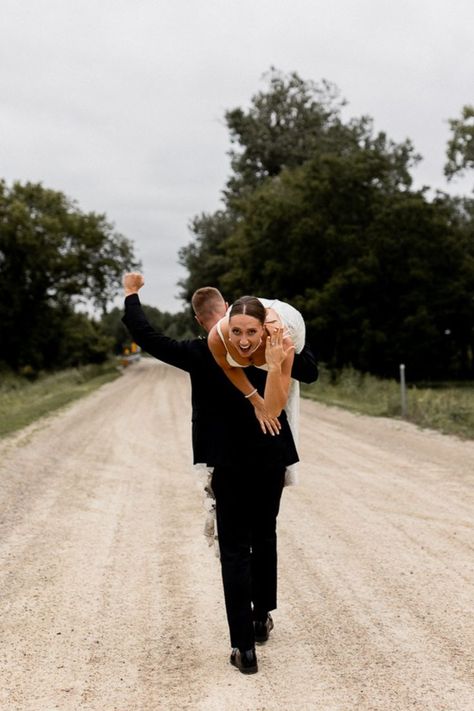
[(228, 356)]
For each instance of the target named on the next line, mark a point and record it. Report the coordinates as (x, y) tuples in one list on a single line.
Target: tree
[(177, 325), (52, 257), (460, 151), (205, 259), (379, 274), (293, 121), (320, 212)]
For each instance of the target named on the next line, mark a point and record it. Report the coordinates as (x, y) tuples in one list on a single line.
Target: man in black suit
[(248, 459)]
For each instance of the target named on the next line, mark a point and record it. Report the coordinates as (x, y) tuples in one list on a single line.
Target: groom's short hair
[(206, 301)]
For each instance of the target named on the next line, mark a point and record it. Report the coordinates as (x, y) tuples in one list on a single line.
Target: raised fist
[(132, 282)]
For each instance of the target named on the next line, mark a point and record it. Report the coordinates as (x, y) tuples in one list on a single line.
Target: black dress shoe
[(263, 629), (246, 662)]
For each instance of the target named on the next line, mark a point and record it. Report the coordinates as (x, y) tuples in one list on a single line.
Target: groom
[(249, 464)]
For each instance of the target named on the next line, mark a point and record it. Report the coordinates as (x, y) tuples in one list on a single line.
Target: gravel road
[(110, 599)]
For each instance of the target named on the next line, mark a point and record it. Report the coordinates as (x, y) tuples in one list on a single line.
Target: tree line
[(57, 264), (60, 269), (318, 210)]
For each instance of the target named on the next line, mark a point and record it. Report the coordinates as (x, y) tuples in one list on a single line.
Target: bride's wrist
[(274, 367)]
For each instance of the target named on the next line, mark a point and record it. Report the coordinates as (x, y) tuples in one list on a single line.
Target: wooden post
[(403, 390)]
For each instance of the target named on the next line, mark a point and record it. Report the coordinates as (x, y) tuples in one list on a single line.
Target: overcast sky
[(120, 103)]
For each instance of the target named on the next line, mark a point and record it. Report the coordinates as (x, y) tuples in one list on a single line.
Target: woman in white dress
[(240, 339)]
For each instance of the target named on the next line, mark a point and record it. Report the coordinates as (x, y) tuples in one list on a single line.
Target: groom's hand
[(132, 282)]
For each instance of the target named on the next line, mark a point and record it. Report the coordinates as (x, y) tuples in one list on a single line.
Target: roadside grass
[(447, 407), (23, 401)]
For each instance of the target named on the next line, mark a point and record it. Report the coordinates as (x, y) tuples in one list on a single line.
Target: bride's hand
[(277, 349), (270, 425)]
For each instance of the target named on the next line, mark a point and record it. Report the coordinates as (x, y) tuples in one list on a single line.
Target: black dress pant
[(247, 505)]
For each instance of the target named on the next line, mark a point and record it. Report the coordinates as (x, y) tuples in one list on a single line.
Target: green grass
[(445, 407), (22, 401)]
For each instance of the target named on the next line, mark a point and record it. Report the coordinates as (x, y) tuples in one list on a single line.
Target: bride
[(259, 332)]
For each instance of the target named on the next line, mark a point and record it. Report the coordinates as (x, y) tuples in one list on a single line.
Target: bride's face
[(245, 334)]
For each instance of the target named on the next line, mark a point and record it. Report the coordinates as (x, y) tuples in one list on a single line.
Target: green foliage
[(22, 402), (52, 258), (292, 122), (321, 213), (177, 325), (446, 407), (112, 327), (82, 341), (181, 325), (460, 151), (206, 258), (357, 391)]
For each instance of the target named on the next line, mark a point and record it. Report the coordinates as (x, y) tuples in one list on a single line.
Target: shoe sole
[(244, 670)]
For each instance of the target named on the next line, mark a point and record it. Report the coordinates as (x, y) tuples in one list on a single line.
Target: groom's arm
[(178, 353), (305, 367)]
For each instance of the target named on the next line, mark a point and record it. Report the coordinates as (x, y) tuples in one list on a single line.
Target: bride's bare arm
[(238, 378), (279, 356), (235, 375)]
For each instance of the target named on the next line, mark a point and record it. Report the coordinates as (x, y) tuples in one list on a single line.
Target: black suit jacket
[(223, 421)]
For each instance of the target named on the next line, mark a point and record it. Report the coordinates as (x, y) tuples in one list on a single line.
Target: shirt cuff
[(132, 299)]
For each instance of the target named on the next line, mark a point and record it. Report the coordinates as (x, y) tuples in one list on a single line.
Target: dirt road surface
[(110, 599)]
